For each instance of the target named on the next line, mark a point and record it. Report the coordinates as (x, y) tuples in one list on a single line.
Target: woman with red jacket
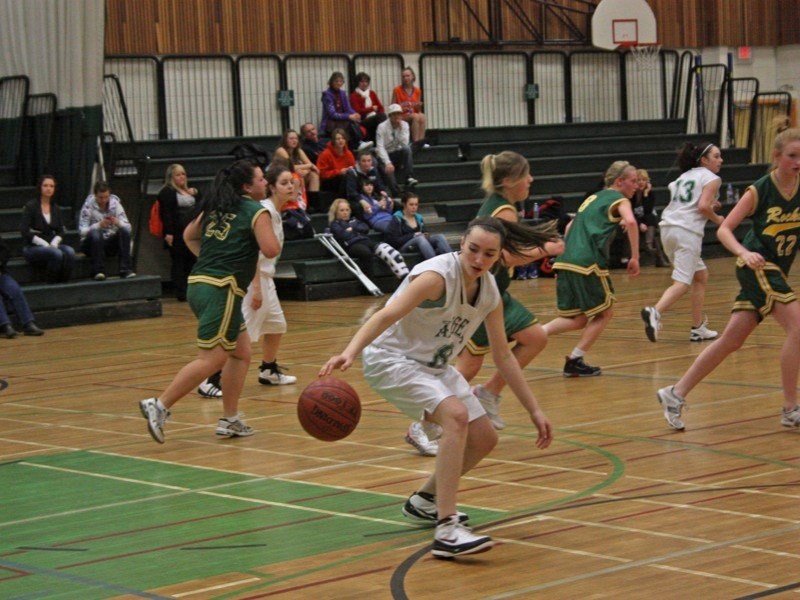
[(366, 103), (334, 162)]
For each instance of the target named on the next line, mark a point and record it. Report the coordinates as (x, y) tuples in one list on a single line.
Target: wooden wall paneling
[(788, 22), (304, 26), (129, 27)]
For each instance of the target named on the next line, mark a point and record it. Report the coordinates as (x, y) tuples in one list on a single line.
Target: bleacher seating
[(81, 300), (567, 160)]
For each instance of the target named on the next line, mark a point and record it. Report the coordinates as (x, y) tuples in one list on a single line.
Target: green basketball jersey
[(490, 207), (228, 247), (588, 235), (776, 223)]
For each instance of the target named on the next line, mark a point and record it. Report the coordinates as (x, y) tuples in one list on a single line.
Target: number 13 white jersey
[(682, 210)]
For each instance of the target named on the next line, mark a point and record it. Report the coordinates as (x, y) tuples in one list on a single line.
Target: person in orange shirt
[(334, 162), (409, 97)]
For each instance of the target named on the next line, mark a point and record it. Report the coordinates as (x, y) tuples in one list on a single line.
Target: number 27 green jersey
[(776, 223)]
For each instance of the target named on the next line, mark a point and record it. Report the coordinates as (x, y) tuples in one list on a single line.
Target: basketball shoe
[(272, 374), (421, 509), (208, 389), (791, 418), (652, 322), (575, 367), (233, 427), (417, 437), (156, 416), (702, 332), (672, 405), (453, 538)]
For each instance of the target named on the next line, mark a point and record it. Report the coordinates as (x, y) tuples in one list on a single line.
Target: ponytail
[(516, 238), (227, 189), (497, 167), (785, 134)]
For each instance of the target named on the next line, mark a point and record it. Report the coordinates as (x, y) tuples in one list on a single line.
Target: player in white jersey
[(406, 348), (261, 308), (693, 202)]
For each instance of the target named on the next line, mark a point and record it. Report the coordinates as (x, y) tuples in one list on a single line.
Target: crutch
[(331, 244)]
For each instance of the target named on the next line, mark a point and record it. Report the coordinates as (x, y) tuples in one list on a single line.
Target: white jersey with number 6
[(435, 332)]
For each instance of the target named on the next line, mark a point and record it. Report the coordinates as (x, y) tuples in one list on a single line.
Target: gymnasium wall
[(319, 26)]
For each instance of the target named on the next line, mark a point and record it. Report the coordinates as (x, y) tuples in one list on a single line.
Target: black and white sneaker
[(453, 538), (209, 389), (421, 509), (652, 322), (272, 374), (575, 367)]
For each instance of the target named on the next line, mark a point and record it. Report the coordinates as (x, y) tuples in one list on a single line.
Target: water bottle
[(535, 210), (730, 198)]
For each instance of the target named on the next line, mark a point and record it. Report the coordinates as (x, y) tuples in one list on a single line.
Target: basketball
[(329, 409)]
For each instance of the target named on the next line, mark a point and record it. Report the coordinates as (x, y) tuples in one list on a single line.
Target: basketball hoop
[(645, 55)]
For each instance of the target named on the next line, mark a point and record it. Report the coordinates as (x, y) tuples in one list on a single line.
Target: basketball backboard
[(618, 23)]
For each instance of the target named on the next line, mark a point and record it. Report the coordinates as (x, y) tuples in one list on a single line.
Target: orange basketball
[(329, 409)]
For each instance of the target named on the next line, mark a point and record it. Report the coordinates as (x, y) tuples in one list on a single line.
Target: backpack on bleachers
[(255, 152), (155, 224)]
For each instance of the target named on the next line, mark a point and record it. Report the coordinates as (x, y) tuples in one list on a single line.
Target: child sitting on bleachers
[(352, 236), (376, 210)]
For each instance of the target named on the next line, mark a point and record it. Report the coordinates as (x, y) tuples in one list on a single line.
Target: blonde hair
[(496, 167), (615, 171), (786, 135), (334, 207), (643, 173), (170, 172)]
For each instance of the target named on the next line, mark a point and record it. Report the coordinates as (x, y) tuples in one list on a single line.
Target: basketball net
[(645, 55)]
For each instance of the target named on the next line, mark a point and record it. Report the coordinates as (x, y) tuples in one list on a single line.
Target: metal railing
[(765, 108), (13, 104), (189, 97)]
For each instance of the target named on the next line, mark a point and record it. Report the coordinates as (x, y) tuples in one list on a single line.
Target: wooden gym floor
[(620, 506)]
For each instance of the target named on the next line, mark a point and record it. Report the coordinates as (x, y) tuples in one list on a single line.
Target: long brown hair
[(516, 238)]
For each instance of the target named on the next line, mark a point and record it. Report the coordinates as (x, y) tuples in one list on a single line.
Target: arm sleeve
[(357, 102), (121, 215), (168, 207), (84, 221), (26, 224), (326, 166), (329, 107)]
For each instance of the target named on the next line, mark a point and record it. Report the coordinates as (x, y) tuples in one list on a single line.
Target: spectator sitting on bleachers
[(407, 231), (289, 149), (334, 162), (312, 145), (364, 170), (409, 97), (42, 228), (392, 146), (10, 292), (338, 114), (376, 209), (296, 221), (105, 230), (366, 103), (352, 236), (644, 208)]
